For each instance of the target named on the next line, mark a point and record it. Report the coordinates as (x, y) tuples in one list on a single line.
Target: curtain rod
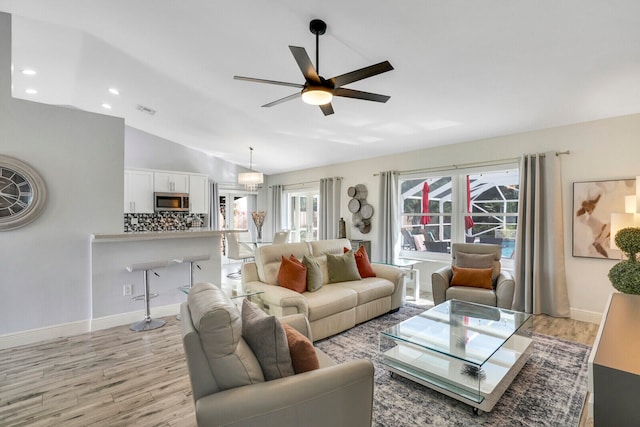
[(467, 165), (306, 182)]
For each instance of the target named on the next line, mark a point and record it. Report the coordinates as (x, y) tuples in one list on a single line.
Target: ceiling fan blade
[(360, 74), (281, 100), (305, 64), (358, 94), (271, 82), (327, 109)]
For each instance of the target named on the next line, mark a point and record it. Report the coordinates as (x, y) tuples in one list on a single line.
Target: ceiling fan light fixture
[(316, 95)]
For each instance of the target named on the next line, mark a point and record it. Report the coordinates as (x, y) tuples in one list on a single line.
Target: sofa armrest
[(315, 398), (396, 276), (440, 280), (278, 300), (505, 288), (389, 272), (300, 323)]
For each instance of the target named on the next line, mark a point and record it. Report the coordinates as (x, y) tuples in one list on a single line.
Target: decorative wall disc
[(366, 211), (361, 192), (361, 210), (354, 206)]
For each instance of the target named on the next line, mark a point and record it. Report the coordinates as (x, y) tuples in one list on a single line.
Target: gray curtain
[(214, 206), (389, 229), (277, 207), (329, 208), (541, 286)]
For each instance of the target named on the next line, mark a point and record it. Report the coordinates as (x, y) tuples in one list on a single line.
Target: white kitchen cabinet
[(198, 194), (170, 182), (138, 191)]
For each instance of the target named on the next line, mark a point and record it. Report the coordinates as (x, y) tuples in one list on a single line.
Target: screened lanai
[(479, 208)]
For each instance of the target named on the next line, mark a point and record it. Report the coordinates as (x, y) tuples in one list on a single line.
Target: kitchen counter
[(160, 235), (112, 253)]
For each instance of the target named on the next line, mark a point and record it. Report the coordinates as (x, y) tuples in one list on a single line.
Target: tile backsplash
[(162, 221)]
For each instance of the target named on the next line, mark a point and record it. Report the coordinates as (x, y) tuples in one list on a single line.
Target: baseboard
[(586, 316), (81, 327), (43, 334), (134, 316)]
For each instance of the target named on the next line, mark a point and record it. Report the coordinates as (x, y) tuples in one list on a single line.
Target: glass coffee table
[(470, 352)]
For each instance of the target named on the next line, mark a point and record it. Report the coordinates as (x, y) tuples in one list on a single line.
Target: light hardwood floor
[(117, 377)]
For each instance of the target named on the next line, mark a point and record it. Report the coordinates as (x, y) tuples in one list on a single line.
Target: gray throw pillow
[(467, 260), (268, 341), (342, 268), (314, 273)]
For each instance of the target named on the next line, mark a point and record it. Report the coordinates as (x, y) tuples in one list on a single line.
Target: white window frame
[(459, 206)]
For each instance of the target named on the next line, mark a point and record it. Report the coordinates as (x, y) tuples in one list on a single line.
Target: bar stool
[(148, 323), (192, 260)]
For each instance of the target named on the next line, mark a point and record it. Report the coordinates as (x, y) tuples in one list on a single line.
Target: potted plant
[(625, 275)]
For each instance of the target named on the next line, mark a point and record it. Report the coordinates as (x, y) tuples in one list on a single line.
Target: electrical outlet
[(127, 289)]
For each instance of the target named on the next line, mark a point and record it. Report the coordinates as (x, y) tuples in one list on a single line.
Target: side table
[(412, 276)]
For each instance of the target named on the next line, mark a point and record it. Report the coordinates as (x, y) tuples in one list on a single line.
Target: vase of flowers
[(258, 220), (625, 275)]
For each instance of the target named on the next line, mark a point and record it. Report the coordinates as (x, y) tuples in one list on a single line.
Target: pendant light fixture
[(250, 179)]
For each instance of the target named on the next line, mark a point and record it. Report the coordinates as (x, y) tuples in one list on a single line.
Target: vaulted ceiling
[(464, 70)]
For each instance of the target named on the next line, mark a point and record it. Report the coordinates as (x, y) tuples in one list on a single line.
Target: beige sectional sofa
[(333, 308)]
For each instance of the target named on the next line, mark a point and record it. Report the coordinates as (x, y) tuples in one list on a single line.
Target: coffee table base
[(482, 401)]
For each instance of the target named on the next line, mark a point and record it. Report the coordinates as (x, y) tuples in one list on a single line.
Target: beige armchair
[(228, 385), (473, 255)]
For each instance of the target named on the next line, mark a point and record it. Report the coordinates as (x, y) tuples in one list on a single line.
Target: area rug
[(550, 389)]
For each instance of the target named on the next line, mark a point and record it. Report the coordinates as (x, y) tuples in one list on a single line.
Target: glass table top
[(400, 262), (232, 293), (463, 330)]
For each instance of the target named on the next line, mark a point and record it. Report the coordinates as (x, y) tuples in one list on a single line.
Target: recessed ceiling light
[(31, 91), (106, 106), (28, 72), (114, 91)]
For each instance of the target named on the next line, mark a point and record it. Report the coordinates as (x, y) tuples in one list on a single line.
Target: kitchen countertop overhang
[(161, 235)]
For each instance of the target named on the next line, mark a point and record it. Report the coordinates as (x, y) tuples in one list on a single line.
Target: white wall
[(600, 150), (146, 151), (44, 266)]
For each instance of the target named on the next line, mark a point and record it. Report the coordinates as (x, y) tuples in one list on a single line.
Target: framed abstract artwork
[(593, 204)]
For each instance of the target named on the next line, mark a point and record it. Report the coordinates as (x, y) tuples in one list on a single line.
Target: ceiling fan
[(319, 91)]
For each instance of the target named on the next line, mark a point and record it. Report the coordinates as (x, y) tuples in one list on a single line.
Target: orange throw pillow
[(362, 262), (292, 274), (475, 277), (303, 355)]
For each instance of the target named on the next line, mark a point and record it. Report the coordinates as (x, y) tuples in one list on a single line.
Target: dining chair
[(281, 237), (237, 250)]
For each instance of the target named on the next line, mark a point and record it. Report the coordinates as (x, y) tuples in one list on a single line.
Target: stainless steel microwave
[(175, 202)]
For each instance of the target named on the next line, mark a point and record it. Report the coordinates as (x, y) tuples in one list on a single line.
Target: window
[(473, 206)]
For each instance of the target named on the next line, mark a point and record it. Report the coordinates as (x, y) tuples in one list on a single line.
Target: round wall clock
[(22, 193)]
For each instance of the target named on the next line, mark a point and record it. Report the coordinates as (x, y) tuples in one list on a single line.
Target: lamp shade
[(620, 221), (631, 217), (637, 195), (250, 180)]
